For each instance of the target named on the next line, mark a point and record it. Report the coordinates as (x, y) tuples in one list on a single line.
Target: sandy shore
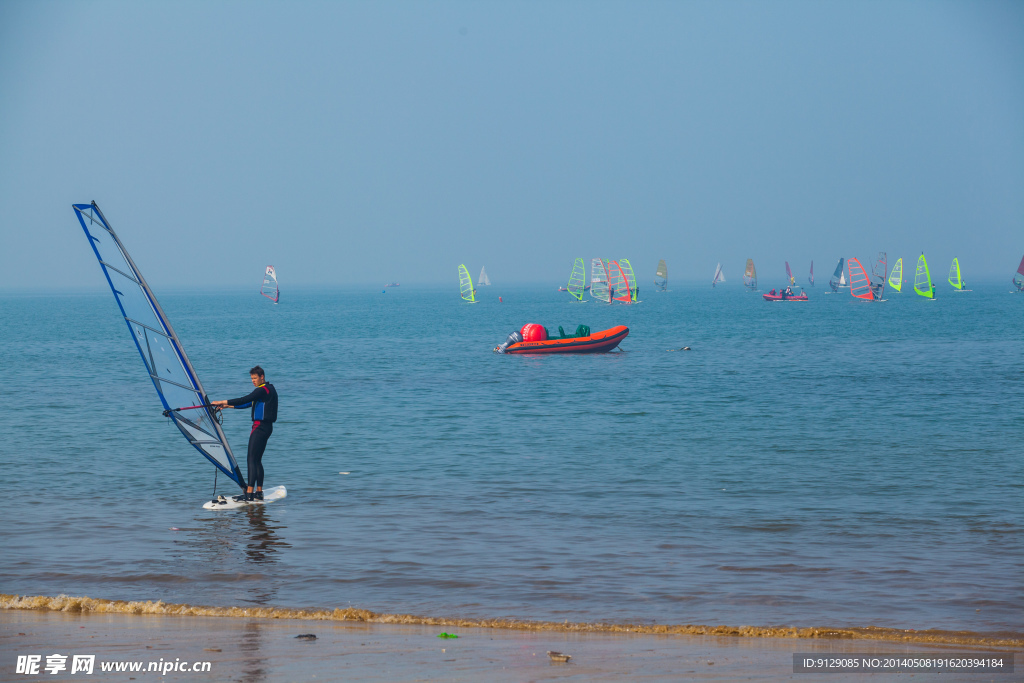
[(261, 649)]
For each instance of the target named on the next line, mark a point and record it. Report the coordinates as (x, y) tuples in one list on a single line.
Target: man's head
[(256, 375)]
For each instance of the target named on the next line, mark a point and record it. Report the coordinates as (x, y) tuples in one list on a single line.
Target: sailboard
[(466, 290), (577, 280), (878, 276), (838, 278), (896, 276), (789, 274), (860, 286), (1018, 278), (662, 272), (954, 277), (923, 279), (719, 277), (483, 280), (181, 393), (270, 288), (811, 278), (599, 281), (619, 284), (627, 270), (750, 276)]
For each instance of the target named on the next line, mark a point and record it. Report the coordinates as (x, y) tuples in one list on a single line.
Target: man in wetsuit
[(263, 401)]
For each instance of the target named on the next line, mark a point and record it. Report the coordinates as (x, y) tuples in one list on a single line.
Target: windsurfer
[(263, 401)]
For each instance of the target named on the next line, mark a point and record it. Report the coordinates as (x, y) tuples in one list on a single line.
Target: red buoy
[(533, 332)]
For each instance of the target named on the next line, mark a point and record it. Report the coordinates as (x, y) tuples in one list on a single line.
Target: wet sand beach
[(241, 648)]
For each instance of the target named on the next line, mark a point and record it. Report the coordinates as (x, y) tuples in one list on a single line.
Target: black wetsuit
[(263, 400)]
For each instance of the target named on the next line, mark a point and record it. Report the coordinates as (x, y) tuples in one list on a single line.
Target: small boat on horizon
[(393, 284)]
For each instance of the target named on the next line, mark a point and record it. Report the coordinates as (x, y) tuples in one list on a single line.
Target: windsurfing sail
[(789, 274), (662, 272), (878, 276), (1018, 278), (750, 275), (270, 288), (619, 284), (860, 287), (954, 275), (719, 277), (176, 382), (599, 281), (577, 279), (923, 279), (838, 278), (483, 279), (627, 270), (811, 278), (896, 276), (466, 290)]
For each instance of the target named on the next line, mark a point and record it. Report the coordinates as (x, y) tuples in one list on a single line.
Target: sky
[(369, 142)]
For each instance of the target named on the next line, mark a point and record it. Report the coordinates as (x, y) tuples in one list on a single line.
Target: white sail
[(719, 276), (270, 288), (483, 279), (599, 281)]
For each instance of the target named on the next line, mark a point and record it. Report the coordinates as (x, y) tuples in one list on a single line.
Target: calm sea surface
[(833, 463)]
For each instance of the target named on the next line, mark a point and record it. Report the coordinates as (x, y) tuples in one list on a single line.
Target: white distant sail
[(599, 280), (270, 288), (483, 279), (719, 277)]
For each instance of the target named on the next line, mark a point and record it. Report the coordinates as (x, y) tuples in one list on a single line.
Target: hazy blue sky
[(367, 142)]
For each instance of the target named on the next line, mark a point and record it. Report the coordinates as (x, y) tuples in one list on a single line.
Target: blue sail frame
[(168, 366)]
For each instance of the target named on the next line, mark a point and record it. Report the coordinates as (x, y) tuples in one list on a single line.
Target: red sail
[(860, 286), (1020, 268)]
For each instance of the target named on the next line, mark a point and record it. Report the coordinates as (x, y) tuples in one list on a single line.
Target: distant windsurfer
[(263, 401)]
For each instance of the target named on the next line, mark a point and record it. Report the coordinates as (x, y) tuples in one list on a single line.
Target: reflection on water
[(233, 547), (254, 665), (263, 544)]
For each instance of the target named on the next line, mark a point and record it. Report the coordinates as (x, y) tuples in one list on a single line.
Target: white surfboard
[(223, 502)]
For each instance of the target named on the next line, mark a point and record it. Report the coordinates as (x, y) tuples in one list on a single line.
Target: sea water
[(829, 463)]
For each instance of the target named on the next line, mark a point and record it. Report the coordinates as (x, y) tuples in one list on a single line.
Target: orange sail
[(619, 284), (860, 286)]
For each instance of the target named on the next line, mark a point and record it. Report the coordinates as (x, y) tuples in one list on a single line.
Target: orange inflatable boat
[(535, 339)]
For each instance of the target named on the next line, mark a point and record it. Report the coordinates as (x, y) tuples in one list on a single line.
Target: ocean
[(830, 463)]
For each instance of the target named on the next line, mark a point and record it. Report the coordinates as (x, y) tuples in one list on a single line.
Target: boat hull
[(598, 342), (778, 297)]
